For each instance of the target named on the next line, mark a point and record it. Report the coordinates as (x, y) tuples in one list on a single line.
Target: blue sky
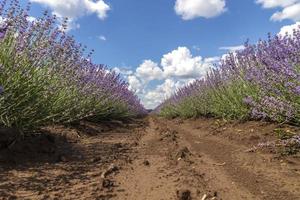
[(179, 43)]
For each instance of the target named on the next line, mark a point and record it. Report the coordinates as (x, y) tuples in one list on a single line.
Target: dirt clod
[(183, 153), (107, 183), (146, 163), (96, 159), (112, 168), (215, 194), (184, 194)]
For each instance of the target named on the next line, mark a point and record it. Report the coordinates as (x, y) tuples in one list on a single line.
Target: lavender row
[(261, 82), (47, 77)]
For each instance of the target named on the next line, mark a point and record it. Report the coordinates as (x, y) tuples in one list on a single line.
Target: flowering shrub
[(260, 82), (46, 77), (288, 146)]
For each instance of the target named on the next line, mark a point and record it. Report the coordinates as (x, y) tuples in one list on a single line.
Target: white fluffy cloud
[(180, 63), (289, 29), (154, 97), (155, 82), (291, 12), (148, 71), (290, 9), (102, 37), (31, 19), (275, 3), (190, 9), (74, 9), (134, 84), (125, 71), (232, 48)]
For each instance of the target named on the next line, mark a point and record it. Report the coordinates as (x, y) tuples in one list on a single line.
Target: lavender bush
[(260, 82), (287, 146), (46, 77)]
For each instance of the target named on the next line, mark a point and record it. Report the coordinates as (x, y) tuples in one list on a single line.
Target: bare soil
[(151, 159)]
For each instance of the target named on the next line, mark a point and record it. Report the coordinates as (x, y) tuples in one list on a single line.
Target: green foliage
[(283, 134), (224, 101)]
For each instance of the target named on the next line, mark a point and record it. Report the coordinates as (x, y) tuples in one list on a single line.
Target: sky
[(161, 45)]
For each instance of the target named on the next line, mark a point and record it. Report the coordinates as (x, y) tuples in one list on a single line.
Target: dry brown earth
[(154, 159)]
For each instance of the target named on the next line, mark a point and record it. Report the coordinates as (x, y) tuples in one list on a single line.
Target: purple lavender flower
[(248, 101), (297, 90)]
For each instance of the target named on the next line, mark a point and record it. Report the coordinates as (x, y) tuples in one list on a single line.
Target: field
[(73, 129)]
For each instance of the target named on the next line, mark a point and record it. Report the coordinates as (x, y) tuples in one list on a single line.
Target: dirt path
[(152, 160), (187, 161)]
